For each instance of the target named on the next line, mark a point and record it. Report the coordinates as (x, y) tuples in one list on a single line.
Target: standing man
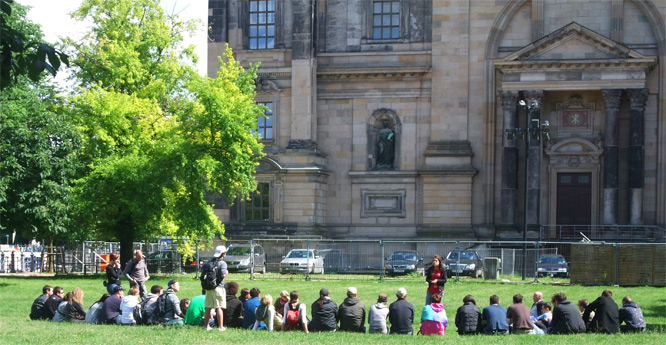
[(401, 314), (212, 280), (136, 272), (38, 304)]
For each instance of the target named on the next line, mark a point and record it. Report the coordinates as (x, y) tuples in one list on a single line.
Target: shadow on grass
[(656, 310), (656, 328)]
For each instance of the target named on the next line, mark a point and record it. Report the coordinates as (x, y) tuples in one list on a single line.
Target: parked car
[(403, 262), (239, 258), (552, 265), (165, 261), (302, 261), (464, 263), (335, 260)]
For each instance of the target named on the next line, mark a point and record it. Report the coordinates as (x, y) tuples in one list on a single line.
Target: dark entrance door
[(574, 202)]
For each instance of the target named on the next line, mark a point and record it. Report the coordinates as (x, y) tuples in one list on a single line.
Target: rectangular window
[(265, 124), (262, 24), (386, 19), (257, 209)]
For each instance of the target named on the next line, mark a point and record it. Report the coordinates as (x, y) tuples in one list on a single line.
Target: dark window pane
[(584, 179), (565, 179), (264, 214)]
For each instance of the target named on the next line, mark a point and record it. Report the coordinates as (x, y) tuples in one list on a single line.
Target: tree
[(157, 136), (21, 51)]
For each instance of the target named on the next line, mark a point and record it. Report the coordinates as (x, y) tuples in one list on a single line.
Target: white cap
[(219, 250), (401, 292), (351, 291)]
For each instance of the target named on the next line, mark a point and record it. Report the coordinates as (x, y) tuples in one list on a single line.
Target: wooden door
[(574, 202)]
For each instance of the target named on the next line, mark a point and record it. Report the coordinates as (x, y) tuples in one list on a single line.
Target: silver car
[(239, 258), (302, 261)]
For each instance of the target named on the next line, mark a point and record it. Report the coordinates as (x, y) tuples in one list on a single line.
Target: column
[(303, 77), (534, 98), (637, 98), (509, 193), (611, 155)]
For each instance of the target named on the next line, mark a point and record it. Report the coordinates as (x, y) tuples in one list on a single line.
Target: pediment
[(574, 42)]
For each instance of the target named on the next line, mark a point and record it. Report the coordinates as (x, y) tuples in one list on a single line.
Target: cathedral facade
[(458, 119)]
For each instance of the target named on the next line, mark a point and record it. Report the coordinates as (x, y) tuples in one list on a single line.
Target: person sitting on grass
[(543, 321), (294, 314), (401, 314), (111, 308), (566, 318), (377, 316), (74, 309), (52, 303), (281, 302), (632, 315), (494, 317), (518, 315), (94, 315), (324, 313), (173, 316), (38, 304), (195, 312), (606, 318), (265, 313), (352, 312), (433, 317), (244, 295), (127, 306), (149, 305), (233, 315), (249, 307), (468, 317), (61, 311)]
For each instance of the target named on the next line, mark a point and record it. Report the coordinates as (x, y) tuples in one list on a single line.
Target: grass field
[(17, 294)]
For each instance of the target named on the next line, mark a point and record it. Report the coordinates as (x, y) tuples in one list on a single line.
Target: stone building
[(406, 119)]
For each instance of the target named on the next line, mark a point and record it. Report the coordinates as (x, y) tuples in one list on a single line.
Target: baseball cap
[(323, 292), (401, 292), (219, 250), (117, 288), (352, 290)]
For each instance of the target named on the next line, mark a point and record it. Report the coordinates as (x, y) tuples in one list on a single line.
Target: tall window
[(386, 19), (258, 207), (265, 124), (262, 24)]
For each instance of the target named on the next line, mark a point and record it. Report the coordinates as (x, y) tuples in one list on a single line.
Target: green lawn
[(17, 294)]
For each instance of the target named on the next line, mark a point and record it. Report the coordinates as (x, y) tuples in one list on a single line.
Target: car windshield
[(552, 260), (299, 254), (463, 256), (403, 256), (233, 250)]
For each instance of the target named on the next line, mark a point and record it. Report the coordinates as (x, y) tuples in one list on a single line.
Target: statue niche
[(383, 143)]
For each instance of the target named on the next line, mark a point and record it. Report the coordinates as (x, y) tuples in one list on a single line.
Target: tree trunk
[(51, 256), (126, 250)]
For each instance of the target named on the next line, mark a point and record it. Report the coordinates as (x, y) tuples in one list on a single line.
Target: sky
[(53, 16)]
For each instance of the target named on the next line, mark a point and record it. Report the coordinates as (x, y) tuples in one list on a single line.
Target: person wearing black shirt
[(38, 304), (51, 305), (113, 273), (401, 314)]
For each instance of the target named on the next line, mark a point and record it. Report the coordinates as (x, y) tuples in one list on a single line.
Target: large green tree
[(157, 136)]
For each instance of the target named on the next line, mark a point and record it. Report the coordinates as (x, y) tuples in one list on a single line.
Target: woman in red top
[(436, 277)]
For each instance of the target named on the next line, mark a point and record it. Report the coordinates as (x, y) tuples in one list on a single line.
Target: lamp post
[(533, 131)]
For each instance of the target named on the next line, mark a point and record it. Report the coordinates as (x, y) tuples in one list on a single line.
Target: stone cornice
[(642, 64), (373, 72)]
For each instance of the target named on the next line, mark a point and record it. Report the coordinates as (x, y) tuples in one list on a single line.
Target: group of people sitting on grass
[(251, 310)]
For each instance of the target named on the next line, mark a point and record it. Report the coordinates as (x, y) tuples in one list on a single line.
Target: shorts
[(216, 298)]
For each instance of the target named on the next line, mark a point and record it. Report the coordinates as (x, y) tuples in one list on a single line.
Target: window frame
[(244, 207), (272, 117), (277, 38), (369, 25)]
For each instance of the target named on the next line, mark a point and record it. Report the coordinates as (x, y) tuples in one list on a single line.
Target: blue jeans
[(429, 295)]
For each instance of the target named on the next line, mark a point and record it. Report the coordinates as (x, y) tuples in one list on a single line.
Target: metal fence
[(306, 258)]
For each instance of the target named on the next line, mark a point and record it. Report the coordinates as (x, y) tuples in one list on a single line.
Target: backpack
[(160, 306), (209, 273), (261, 312), (140, 314), (293, 316)]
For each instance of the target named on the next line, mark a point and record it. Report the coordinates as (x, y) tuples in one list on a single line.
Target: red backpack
[(293, 317)]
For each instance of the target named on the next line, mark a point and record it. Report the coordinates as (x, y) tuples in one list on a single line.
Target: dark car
[(239, 258), (403, 262), (168, 261), (552, 265), (464, 263)]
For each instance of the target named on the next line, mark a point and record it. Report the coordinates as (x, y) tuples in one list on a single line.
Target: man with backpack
[(144, 311), (213, 273), (167, 307)]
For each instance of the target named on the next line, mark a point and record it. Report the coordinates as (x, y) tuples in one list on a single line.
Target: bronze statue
[(385, 148)]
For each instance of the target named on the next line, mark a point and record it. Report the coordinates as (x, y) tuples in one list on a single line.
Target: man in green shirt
[(195, 311)]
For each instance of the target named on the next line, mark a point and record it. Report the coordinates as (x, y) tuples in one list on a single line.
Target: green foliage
[(156, 136), (21, 51), (37, 161)]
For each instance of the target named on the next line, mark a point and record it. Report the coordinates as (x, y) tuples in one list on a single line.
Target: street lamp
[(533, 131)]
